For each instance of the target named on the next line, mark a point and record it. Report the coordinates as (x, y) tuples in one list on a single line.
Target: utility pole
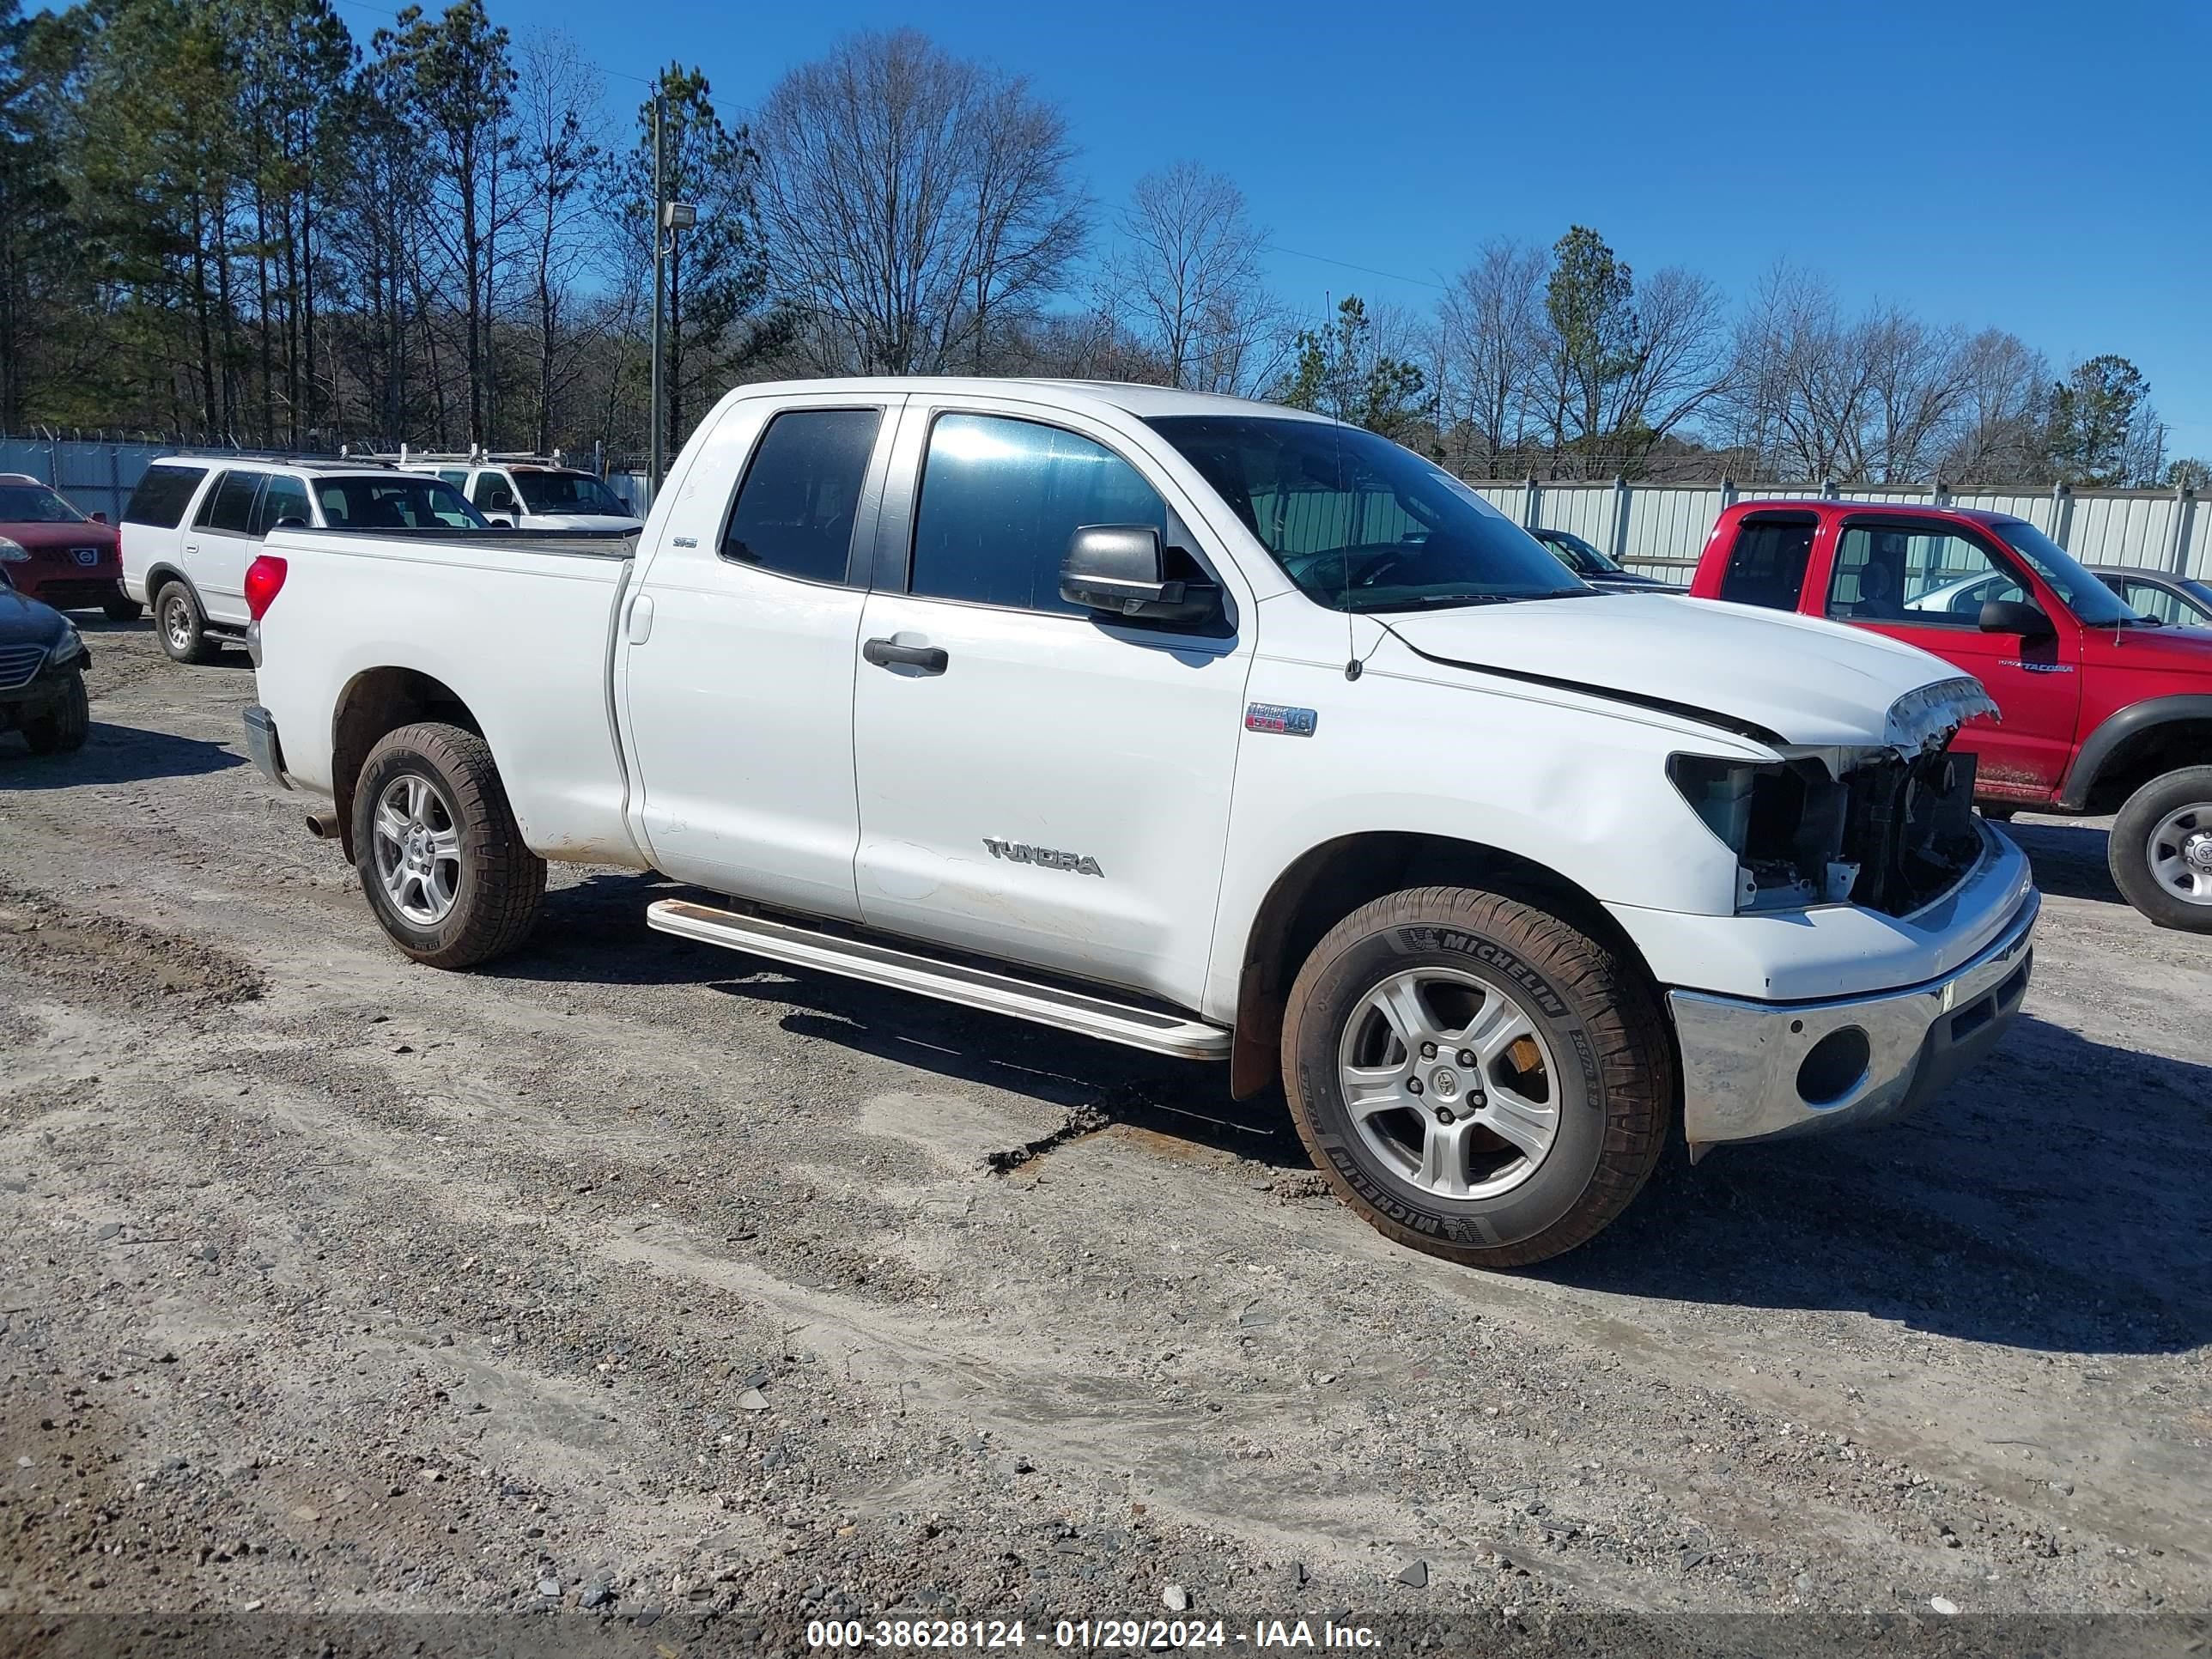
[(659, 287)]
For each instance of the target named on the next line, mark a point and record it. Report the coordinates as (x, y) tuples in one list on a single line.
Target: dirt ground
[(678, 1300)]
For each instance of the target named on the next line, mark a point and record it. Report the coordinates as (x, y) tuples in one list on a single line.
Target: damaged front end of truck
[(1889, 826)]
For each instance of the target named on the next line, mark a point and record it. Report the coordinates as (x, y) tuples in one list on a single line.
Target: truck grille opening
[(1909, 825), (1891, 834)]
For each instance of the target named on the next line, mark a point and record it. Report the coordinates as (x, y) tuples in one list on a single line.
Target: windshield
[(33, 503), (1360, 523), (568, 492), (395, 503), (2089, 599), (1578, 555)]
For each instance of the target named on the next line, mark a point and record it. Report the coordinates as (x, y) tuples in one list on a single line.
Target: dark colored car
[(56, 555), (1597, 569), (41, 673), (2176, 601)]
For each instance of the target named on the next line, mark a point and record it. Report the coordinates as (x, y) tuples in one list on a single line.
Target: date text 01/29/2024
[(1128, 1635)]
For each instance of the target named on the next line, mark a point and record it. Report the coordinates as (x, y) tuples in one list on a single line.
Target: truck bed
[(515, 628)]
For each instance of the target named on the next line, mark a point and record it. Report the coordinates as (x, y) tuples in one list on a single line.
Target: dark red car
[(56, 555), (2103, 709)]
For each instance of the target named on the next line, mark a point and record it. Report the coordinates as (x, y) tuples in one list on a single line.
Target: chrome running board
[(1162, 1032)]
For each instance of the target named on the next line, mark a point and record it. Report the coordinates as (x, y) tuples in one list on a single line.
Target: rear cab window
[(165, 491), (1766, 565)]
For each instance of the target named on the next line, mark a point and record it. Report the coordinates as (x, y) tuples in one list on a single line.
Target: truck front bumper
[(1758, 1070)]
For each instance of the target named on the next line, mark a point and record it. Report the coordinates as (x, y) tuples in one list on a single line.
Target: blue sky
[(2042, 167)]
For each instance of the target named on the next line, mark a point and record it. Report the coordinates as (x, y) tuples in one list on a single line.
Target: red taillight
[(264, 579)]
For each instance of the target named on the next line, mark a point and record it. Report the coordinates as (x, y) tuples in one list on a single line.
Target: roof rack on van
[(476, 455), (286, 457)]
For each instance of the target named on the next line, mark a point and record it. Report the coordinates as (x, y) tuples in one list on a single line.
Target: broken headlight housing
[(1889, 833)]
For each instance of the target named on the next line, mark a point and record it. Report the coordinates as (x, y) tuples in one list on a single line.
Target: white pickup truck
[(1201, 726)]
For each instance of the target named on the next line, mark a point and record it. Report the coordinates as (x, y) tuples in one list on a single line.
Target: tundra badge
[(1016, 852)]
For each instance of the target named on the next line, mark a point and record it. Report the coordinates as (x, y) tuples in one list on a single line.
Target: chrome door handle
[(889, 654)]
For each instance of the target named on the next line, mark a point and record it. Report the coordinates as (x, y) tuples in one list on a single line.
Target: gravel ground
[(696, 1300)]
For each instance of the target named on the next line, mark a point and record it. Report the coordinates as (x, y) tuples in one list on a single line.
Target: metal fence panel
[(93, 477)]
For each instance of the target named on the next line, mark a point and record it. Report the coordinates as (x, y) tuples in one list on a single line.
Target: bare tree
[(1994, 438), (1185, 281), (1489, 344), (557, 98), (910, 197)]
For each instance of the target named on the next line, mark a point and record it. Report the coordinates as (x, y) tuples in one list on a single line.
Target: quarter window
[(1900, 576), (230, 504), (162, 495), (999, 500), (795, 509)]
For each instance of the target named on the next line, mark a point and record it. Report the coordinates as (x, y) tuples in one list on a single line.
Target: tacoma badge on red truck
[(2099, 709)]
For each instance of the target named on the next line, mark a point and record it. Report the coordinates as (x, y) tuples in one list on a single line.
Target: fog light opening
[(1833, 1066)]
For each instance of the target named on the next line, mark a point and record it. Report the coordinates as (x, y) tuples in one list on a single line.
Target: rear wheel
[(182, 625), (439, 855), (2161, 849), (1476, 1077), (62, 726)]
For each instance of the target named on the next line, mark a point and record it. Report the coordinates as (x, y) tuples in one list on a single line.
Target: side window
[(1766, 566), (229, 505), (489, 485), (162, 495), (999, 499), (457, 477), (794, 510), (1895, 573), (285, 498)]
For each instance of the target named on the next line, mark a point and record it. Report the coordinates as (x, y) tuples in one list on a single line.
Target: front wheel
[(62, 726), (1475, 1077), (439, 854), (2161, 849)]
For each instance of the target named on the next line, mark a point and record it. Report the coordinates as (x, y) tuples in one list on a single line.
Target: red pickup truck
[(2102, 710)]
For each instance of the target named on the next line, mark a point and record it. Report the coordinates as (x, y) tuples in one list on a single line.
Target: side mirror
[(291, 522), (1121, 570), (2015, 616), (500, 524), (100, 518), (502, 501)]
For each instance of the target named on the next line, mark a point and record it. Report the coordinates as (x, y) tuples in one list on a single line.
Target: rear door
[(1925, 583), (221, 544), (738, 649), (1047, 787)]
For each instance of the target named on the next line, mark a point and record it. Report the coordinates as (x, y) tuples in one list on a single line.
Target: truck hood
[(1765, 674)]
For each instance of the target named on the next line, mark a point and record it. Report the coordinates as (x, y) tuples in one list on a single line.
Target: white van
[(195, 523), (535, 494)]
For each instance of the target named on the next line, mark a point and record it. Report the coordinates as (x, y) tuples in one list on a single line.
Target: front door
[(738, 650), (1034, 783), (1926, 586), (221, 543)]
